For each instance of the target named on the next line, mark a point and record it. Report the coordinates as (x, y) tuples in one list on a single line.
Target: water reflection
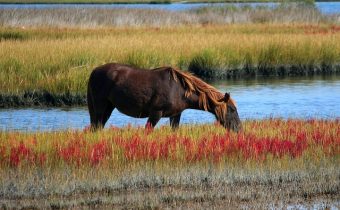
[(316, 97)]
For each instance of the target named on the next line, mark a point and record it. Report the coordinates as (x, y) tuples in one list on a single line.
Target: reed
[(100, 17)]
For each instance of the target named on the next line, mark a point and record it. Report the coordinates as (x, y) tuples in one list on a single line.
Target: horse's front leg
[(154, 117), (174, 121)]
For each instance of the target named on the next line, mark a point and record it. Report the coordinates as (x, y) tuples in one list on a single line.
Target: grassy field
[(46, 55), (60, 60), (272, 162)]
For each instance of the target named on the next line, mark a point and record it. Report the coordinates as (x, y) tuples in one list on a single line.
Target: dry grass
[(96, 17), (194, 186)]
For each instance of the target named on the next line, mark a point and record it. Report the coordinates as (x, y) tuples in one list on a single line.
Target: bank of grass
[(58, 61), (271, 162)]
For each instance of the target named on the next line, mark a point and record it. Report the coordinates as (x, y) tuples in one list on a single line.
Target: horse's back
[(109, 72), (115, 72), (133, 91)]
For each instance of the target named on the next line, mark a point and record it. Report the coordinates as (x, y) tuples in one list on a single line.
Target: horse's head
[(231, 120)]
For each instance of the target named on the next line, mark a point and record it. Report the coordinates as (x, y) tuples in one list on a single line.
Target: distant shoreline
[(42, 98)]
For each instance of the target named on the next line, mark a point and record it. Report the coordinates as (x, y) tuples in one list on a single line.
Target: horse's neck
[(193, 103)]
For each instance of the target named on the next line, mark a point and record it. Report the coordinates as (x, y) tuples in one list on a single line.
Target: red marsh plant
[(259, 140), (21, 154), (78, 151)]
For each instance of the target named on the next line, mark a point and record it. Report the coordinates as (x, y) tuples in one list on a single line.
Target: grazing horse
[(161, 92)]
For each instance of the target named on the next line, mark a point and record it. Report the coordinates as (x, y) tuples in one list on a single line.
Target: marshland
[(280, 63)]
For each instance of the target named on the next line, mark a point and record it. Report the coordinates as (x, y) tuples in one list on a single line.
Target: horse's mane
[(207, 94)]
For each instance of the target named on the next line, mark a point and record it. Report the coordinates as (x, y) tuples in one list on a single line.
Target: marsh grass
[(8, 35), (99, 17), (59, 61), (205, 64), (144, 59), (41, 99), (49, 53), (118, 180), (161, 186), (261, 142)]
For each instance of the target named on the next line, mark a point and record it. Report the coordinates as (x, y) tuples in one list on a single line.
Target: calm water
[(333, 205), (256, 99), (324, 7)]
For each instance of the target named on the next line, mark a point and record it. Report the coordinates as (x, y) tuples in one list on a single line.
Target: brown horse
[(161, 92)]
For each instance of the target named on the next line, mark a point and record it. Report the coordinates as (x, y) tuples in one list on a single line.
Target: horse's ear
[(226, 97)]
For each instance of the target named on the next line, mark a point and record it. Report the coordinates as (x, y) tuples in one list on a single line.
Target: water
[(313, 205), (324, 7), (317, 97)]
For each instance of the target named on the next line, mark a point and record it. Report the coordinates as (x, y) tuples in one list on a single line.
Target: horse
[(156, 93)]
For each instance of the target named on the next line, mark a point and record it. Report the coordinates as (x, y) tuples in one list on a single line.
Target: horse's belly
[(132, 104), (133, 112)]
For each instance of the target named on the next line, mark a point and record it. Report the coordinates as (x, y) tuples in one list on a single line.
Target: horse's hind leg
[(153, 119), (107, 113), (174, 121), (102, 114), (100, 110), (92, 111)]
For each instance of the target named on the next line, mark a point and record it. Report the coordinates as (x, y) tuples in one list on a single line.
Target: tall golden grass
[(60, 60)]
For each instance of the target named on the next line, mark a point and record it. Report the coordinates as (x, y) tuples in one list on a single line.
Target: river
[(316, 97)]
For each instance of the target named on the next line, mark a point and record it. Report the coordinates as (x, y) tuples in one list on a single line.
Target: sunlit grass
[(60, 60)]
